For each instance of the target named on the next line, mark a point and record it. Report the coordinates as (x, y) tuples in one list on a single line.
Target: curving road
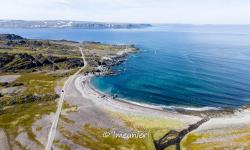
[(52, 132)]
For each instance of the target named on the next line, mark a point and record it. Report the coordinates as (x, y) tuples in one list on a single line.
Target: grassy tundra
[(31, 74)]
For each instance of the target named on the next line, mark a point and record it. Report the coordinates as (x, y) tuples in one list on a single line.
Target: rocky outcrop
[(23, 61), (21, 99)]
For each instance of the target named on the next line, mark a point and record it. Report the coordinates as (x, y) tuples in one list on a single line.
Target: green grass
[(157, 127), (52, 49), (101, 47), (66, 119), (154, 126), (64, 147), (190, 139), (239, 141), (91, 137), (39, 128), (17, 51), (21, 117), (33, 53), (38, 83)]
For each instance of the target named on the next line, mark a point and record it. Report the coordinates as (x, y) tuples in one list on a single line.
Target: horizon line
[(170, 23)]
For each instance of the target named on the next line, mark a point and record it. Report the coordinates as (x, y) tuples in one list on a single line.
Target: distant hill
[(68, 24), (10, 37)]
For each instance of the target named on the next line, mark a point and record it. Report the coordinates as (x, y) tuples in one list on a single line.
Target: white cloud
[(153, 11)]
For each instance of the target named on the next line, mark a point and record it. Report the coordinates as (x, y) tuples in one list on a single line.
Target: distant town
[(68, 24)]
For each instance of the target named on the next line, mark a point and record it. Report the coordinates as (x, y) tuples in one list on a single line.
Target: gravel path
[(9, 78), (53, 128), (3, 141)]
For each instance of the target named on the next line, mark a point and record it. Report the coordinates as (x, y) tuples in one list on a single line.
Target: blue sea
[(177, 65)]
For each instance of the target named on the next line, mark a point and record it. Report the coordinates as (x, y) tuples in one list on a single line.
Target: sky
[(133, 11)]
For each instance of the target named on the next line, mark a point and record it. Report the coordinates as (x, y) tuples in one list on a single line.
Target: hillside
[(20, 54)]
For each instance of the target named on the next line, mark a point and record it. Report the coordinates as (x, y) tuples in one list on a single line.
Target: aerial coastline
[(124, 75), (106, 70), (85, 108), (235, 117), (226, 119)]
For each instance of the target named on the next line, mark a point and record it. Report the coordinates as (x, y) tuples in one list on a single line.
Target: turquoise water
[(176, 66)]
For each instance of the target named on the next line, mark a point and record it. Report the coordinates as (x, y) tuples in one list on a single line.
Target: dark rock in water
[(98, 71), (111, 73), (114, 96)]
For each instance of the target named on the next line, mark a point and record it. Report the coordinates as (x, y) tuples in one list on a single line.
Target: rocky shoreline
[(105, 69), (106, 64)]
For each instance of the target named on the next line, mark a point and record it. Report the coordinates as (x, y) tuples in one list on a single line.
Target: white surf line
[(52, 132)]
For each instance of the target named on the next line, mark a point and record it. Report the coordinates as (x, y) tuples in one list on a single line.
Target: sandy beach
[(224, 128), (107, 102), (237, 119)]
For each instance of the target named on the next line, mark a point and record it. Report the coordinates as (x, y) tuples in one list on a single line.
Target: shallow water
[(199, 66)]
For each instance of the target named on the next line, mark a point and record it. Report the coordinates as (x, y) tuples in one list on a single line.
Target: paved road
[(52, 132)]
